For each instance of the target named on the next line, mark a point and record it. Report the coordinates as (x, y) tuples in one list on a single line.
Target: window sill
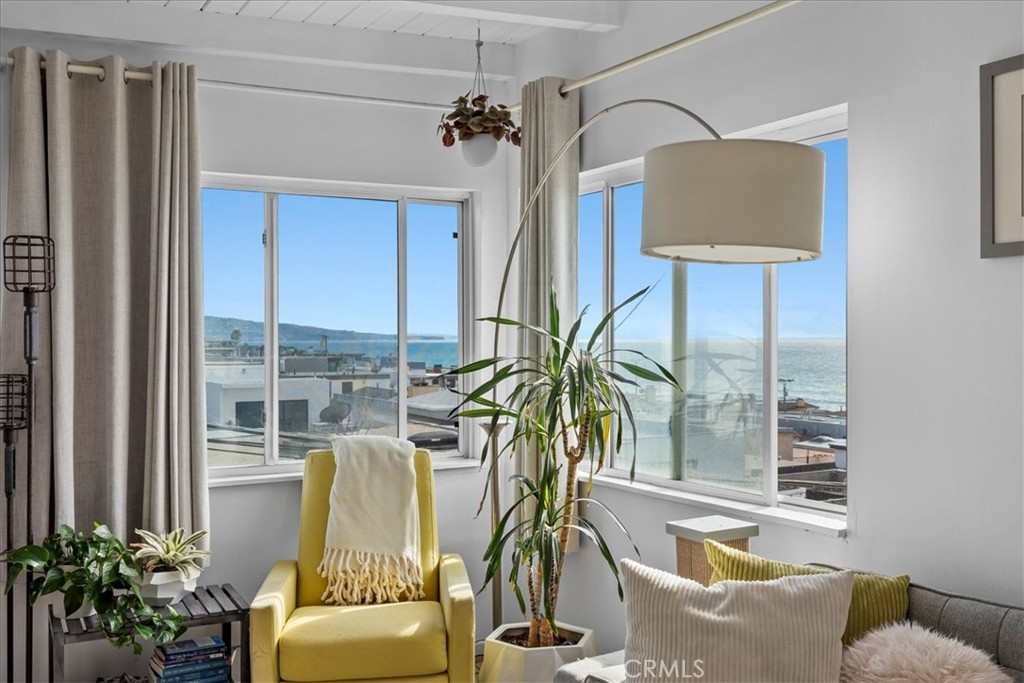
[(806, 520), (223, 476)]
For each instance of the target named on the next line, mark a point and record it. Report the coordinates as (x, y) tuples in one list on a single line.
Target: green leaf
[(641, 372), (475, 366), (486, 412), (74, 596), (29, 556), (53, 581), (13, 572), (599, 330), (553, 312)]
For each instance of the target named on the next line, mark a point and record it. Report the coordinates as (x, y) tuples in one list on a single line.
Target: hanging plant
[(479, 126), (472, 117)]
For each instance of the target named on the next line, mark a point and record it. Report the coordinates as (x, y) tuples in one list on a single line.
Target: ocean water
[(716, 366), (443, 352)]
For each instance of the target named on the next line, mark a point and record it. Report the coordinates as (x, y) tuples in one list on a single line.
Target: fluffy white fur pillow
[(909, 653)]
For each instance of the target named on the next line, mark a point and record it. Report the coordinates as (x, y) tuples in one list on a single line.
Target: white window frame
[(815, 127), (271, 188)]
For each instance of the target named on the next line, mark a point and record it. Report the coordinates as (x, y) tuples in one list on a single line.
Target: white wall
[(935, 333), (936, 480)]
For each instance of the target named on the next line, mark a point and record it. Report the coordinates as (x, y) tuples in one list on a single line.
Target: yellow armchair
[(295, 637)]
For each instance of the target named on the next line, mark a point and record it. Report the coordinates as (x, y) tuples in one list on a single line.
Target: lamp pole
[(29, 269), (495, 477), (719, 201)]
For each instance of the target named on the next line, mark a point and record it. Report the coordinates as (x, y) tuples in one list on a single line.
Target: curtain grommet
[(67, 70), (102, 77)]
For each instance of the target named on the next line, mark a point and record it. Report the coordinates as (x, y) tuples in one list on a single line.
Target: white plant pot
[(166, 588), (479, 150), (507, 663), (86, 610)]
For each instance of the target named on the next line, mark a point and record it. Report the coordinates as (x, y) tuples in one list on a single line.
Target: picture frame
[(1002, 157)]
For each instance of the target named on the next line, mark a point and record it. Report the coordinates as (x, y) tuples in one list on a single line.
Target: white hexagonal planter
[(166, 588), (507, 663)]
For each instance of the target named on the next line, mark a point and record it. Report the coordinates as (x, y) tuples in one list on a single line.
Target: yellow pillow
[(877, 600)]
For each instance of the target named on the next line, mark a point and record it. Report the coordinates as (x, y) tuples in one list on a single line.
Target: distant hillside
[(252, 332)]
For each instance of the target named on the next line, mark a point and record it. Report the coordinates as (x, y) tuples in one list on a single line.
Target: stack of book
[(201, 660)]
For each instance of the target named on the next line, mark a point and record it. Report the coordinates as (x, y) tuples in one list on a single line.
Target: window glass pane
[(432, 285), (703, 322), (591, 261), (646, 328), (234, 304), (722, 422), (812, 355), (338, 331)]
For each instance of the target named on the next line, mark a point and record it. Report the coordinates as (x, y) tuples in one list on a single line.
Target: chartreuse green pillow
[(877, 600)]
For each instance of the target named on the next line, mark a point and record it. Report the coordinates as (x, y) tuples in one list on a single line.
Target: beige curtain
[(548, 252), (110, 170)]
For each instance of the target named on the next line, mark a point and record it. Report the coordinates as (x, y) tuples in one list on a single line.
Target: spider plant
[(568, 405), (170, 551)]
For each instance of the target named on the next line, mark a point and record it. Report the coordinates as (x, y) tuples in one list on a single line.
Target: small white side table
[(691, 561)]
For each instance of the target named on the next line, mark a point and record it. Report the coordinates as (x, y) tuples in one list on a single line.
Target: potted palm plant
[(171, 562), (96, 574), (570, 407)]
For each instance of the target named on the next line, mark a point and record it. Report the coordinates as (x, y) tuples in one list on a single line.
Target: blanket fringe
[(365, 578)]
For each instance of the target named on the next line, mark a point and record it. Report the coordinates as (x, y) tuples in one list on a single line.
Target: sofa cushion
[(333, 643), (782, 631), (995, 628), (877, 600)]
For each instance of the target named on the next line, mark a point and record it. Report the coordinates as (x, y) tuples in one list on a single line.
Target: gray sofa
[(996, 629)]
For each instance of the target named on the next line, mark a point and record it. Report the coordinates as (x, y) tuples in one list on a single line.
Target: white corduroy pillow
[(784, 631)]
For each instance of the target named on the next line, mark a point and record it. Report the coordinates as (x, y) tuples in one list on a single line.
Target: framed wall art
[(1002, 158)]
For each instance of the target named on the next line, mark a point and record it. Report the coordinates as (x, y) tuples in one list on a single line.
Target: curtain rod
[(568, 87), (673, 47), (90, 70)]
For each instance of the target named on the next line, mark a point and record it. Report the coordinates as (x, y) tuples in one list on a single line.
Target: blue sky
[(337, 262), (338, 267), (724, 301)]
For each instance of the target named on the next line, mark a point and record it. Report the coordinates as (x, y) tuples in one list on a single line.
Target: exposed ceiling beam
[(578, 16), (255, 38)]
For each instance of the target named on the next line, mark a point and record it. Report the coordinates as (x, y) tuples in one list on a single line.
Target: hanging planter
[(477, 125), (479, 128)]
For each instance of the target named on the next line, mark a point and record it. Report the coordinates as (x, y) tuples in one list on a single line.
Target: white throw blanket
[(372, 547)]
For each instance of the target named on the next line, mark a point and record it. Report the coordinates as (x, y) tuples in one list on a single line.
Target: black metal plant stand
[(13, 417), (29, 269)]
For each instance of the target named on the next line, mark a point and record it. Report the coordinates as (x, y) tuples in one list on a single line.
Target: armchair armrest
[(459, 618), (271, 608)]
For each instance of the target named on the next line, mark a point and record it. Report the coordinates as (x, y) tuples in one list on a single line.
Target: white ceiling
[(509, 22)]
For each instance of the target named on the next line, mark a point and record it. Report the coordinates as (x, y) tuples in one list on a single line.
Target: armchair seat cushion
[(332, 643)]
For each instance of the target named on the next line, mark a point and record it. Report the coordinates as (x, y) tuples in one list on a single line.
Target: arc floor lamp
[(708, 201)]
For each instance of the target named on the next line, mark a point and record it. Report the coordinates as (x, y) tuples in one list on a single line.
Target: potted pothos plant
[(96, 574), (479, 127), (171, 562), (570, 405)]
